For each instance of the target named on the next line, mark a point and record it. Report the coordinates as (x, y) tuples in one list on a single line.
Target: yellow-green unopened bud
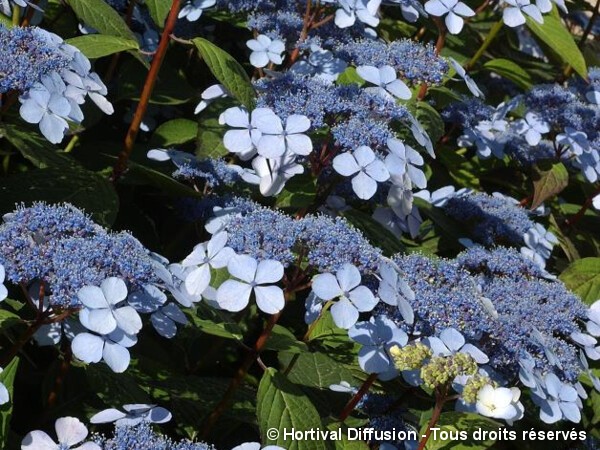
[(440, 370), (410, 357), (473, 386)]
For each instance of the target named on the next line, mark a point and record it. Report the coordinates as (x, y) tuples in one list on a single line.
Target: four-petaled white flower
[(273, 173), (533, 127), (255, 276), (265, 50), (363, 10), (102, 312), (69, 430), (209, 254), (454, 10), (245, 135), (47, 109), (513, 12), (277, 139), (365, 168), (135, 414), (194, 8), (352, 297), (385, 78)]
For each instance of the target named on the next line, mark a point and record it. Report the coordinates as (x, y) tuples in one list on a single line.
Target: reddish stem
[(440, 399), (356, 398), (571, 222), (149, 84)]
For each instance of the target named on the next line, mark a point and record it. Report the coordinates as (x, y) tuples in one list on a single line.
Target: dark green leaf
[(210, 139), (99, 15), (165, 182), (299, 192), (511, 71), (315, 370), (549, 179), (282, 339), (175, 132), (98, 45), (555, 35), (583, 278), (228, 71), (8, 319), (349, 76), (282, 405), (76, 185), (159, 10), (35, 148)]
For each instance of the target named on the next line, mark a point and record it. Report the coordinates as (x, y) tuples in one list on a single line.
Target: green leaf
[(175, 132), (549, 179), (282, 405), (376, 233), (554, 34), (282, 339), (228, 71), (215, 323), (168, 184), (99, 15), (429, 118), (299, 192), (349, 76), (447, 226), (475, 432), (8, 319), (511, 71), (35, 148), (315, 370), (7, 378), (83, 188), (583, 278), (98, 45), (120, 388), (159, 10), (326, 330), (5, 20), (210, 139)]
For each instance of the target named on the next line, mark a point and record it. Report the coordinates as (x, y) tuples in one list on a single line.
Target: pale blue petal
[(326, 286), (348, 277), (116, 357), (100, 321), (345, 164), (106, 416), (128, 319), (114, 290), (87, 347), (243, 267), (269, 299), (344, 313), (364, 186), (92, 297), (233, 295), (363, 299), (373, 360), (452, 338), (268, 271), (197, 280)]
